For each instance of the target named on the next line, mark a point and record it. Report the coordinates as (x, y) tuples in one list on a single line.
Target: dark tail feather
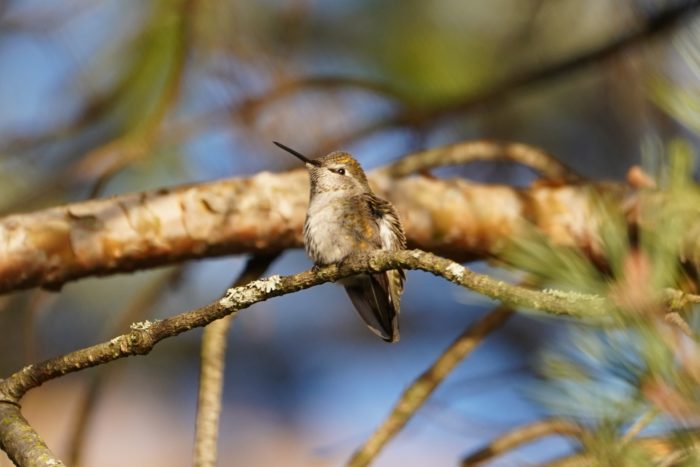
[(370, 295)]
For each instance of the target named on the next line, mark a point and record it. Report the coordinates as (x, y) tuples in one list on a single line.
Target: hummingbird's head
[(337, 171)]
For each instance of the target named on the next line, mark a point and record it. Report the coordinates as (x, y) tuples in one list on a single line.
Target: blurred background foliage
[(98, 98)]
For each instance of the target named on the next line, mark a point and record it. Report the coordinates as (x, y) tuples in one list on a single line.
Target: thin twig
[(462, 153), (639, 425), (419, 391), (249, 107), (101, 163), (673, 459), (653, 26), (211, 375), (521, 435), (145, 335), (211, 382)]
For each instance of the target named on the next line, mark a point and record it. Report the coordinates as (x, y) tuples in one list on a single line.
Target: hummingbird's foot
[(345, 261), (317, 269)]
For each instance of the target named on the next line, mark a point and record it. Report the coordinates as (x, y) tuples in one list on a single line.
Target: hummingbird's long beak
[(298, 155)]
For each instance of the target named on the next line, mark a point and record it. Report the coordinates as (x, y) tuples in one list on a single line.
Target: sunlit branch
[(418, 392), (521, 435), (21, 442), (639, 425), (483, 150), (145, 335), (652, 26), (211, 372), (265, 213)]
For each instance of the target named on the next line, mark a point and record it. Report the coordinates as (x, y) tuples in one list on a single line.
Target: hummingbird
[(346, 218)]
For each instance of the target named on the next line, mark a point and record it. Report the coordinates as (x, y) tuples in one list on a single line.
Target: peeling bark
[(265, 213)]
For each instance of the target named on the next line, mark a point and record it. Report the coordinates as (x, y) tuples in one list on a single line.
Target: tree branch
[(211, 375), (418, 392), (641, 423), (265, 213), (483, 150), (145, 335), (651, 27), (21, 442), (211, 383), (521, 435)]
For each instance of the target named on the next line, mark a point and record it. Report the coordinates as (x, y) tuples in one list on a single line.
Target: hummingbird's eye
[(340, 171)]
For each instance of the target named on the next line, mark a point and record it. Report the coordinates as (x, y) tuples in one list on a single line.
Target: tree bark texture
[(265, 213), (21, 442)]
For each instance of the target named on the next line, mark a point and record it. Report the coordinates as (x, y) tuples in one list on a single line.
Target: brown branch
[(103, 162), (675, 318), (418, 392), (653, 26), (145, 335), (136, 231), (462, 153), (265, 213), (642, 422), (211, 376), (211, 383), (521, 435), (21, 442), (251, 106)]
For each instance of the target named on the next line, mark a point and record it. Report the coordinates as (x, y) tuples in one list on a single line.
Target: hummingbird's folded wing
[(377, 296), (376, 304)]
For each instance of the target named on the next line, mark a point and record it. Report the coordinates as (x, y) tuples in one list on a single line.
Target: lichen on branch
[(143, 336)]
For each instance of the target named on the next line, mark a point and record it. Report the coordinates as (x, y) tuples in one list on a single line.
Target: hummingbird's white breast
[(326, 236)]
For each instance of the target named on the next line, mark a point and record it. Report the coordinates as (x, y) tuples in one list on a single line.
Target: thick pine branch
[(265, 213)]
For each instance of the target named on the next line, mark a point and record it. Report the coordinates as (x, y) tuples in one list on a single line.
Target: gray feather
[(373, 300), (345, 218)]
